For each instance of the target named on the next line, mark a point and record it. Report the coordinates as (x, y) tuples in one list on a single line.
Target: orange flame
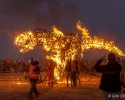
[(63, 46)]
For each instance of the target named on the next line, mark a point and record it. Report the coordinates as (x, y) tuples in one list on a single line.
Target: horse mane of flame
[(62, 46)]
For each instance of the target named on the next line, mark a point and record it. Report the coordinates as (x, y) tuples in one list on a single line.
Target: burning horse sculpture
[(59, 47)]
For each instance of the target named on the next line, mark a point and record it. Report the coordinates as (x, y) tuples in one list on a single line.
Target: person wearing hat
[(33, 78), (110, 80)]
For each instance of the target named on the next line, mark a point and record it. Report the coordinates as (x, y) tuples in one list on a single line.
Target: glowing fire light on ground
[(19, 83), (61, 47)]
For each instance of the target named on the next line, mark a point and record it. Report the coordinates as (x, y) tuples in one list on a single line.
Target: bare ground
[(87, 91)]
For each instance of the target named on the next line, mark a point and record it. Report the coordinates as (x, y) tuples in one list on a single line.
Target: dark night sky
[(103, 18)]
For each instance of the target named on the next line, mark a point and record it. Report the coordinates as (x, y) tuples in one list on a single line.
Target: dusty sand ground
[(87, 91)]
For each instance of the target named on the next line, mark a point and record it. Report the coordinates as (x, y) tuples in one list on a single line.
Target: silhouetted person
[(110, 80), (68, 71), (31, 59), (51, 66), (77, 72), (73, 75), (122, 77)]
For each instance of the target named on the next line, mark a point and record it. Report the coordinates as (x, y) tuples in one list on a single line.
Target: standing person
[(31, 59), (110, 80), (33, 79), (77, 72), (50, 73), (68, 71), (73, 74), (122, 77)]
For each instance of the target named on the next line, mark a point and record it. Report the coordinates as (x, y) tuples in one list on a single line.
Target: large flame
[(60, 47), (95, 42), (27, 40), (85, 32)]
